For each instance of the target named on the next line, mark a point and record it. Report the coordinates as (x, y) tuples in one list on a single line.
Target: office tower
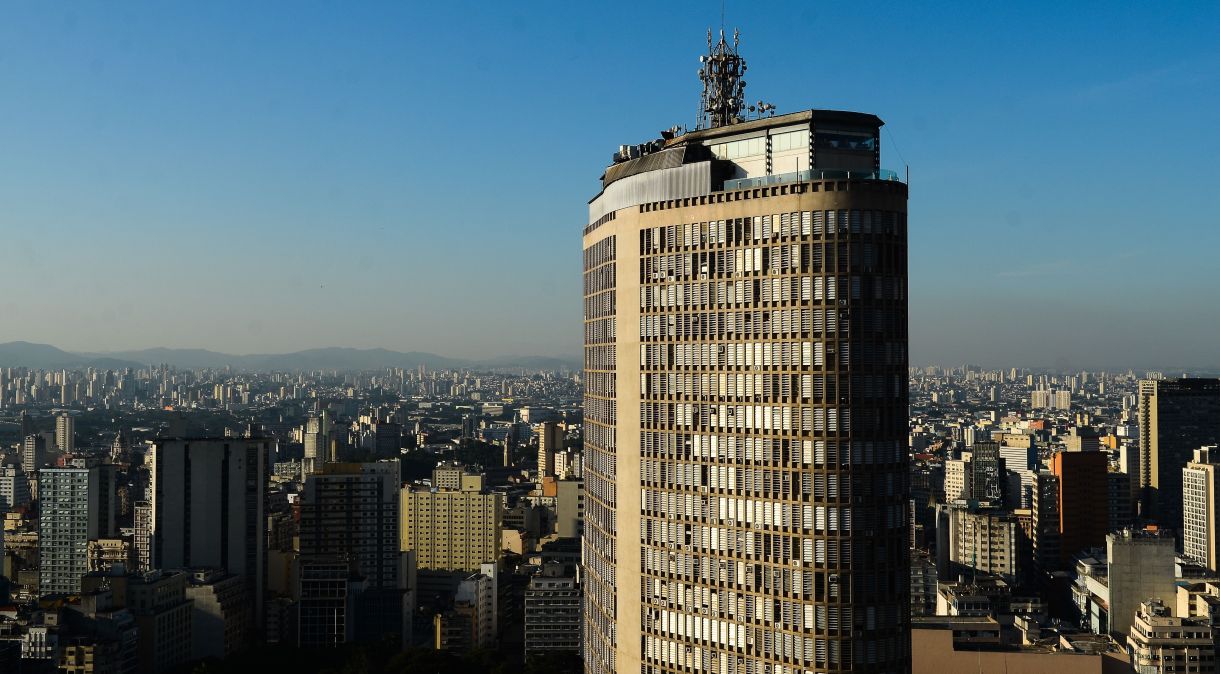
[(207, 507), (350, 516), (14, 488), (987, 475), (1176, 417), (550, 441), (1044, 538), (25, 423), (327, 605), (1118, 502), (1201, 507), (1160, 643), (387, 439), (552, 610), (746, 396), (1083, 487), (451, 530), (76, 505), (33, 454), (65, 432)]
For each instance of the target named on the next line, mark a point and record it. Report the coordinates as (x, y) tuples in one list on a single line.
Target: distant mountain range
[(45, 356)]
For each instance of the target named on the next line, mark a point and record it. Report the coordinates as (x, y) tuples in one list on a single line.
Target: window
[(791, 140), (738, 149)]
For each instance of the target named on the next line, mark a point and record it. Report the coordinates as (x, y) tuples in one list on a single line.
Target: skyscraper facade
[(1176, 417), (350, 516), (1083, 487), (14, 488), (1200, 509), (746, 469), (207, 507), (33, 454), (987, 474), (76, 505), (65, 432)]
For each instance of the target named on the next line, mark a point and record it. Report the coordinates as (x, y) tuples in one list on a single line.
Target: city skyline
[(282, 152), (896, 360)]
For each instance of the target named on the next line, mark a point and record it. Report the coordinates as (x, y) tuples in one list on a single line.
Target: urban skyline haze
[(272, 178)]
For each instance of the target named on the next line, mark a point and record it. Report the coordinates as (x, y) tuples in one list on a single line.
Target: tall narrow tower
[(746, 397)]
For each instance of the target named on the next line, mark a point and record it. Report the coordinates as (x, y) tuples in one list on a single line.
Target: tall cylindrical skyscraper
[(746, 397)]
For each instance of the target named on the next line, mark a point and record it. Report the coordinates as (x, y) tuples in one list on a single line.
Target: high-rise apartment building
[(745, 406), (33, 454), (317, 440), (207, 507), (65, 432), (76, 505), (550, 442), (141, 538), (957, 480), (978, 541), (1119, 500), (552, 610), (1044, 523), (1176, 417), (451, 530), (1201, 507), (14, 488)]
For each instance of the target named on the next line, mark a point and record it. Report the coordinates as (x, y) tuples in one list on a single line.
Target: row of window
[(736, 231)]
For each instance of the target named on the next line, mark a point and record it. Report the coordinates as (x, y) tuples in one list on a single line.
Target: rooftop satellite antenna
[(722, 71)]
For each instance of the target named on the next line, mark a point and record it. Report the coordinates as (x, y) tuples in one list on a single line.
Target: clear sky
[(267, 177)]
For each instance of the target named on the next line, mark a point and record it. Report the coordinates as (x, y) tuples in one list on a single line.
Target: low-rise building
[(1160, 643)]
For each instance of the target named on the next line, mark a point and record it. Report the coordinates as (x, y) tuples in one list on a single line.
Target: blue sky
[(255, 177)]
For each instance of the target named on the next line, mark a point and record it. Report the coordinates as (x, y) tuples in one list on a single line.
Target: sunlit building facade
[(746, 470)]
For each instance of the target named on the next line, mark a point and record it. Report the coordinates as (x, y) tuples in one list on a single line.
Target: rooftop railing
[(807, 176)]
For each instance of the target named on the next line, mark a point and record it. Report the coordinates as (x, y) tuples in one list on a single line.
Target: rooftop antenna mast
[(722, 71)]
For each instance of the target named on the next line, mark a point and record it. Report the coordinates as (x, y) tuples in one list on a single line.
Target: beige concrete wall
[(626, 227)]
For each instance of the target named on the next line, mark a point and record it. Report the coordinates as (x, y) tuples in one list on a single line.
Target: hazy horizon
[(1064, 365), (256, 179)]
